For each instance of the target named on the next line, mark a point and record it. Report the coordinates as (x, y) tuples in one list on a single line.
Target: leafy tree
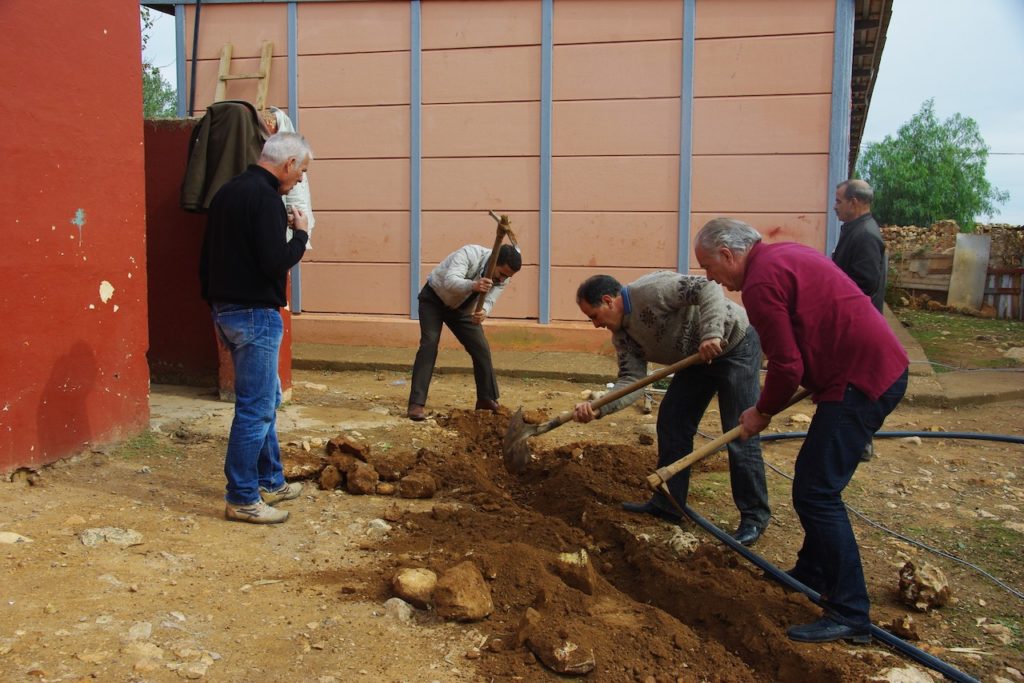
[(159, 98), (930, 171)]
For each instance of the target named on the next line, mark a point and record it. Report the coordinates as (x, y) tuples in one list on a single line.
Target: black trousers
[(433, 315)]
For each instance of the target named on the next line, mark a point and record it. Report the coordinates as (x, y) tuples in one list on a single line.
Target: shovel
[(517, 452), (658, 481)]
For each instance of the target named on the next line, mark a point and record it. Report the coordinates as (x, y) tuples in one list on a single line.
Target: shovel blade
[(515, 450)]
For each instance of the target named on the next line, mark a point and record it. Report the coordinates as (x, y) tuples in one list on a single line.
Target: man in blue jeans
[(820, 330), (243, 273), (664, 317)]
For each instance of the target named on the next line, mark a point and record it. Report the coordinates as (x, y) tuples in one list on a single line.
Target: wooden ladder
[(263, 75)]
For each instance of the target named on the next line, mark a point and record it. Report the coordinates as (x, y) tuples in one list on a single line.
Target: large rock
[(342, 443), (414, 585), (392, 465), (417, 485), (361, 479), (330, 478), (923, 588), (561, 651), (462, 594)]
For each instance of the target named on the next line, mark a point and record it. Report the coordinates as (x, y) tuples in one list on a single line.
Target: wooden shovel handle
[(663, 474), (615, 395), (504, 228)]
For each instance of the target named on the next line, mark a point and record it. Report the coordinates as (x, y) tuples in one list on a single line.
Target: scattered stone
[(330, 478), (414, 585), (417, 485), (496, 645), (143, 650), (378, 525), (74, 520), (645, 439), (9, 537), (907, 674), (312, 386), (343, 444), (473, 653), (362, 479), (109, 534), (386, 489), (1014, 526), (399, 609), (799, 418), (1016, 353), (911, 440), (392, 512), (93, 657), (998, 631), (462, 594), (576, 571), (923, 588), (904, 627), (140, 630), (682, 542), (379, 410)]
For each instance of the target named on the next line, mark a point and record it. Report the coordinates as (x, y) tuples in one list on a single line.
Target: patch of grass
[(962, 341), (147, 444)]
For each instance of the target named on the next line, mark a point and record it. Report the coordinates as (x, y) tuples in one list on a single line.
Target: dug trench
[(662, 604)]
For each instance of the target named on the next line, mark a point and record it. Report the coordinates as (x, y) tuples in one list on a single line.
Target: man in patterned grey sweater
[(662, 318)]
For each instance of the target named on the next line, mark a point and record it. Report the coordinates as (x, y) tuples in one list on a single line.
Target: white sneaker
[(286, 492), (255, 513)]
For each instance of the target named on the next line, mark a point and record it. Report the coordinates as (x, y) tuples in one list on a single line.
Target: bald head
[(853, 199)]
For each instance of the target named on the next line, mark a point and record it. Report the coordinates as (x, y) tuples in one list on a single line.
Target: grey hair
[(284, 146), (855, 188), (733, 234)]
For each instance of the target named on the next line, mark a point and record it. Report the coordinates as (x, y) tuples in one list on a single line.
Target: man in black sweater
[(243, 273)]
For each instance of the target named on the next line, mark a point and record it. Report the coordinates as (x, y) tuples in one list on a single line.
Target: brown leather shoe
[(486, 404), (416, 412)]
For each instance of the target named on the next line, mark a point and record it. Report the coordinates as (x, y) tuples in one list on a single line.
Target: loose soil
[(197, 597)]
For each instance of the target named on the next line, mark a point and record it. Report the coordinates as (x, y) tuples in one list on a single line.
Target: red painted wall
[(73, 265), (182, 346)]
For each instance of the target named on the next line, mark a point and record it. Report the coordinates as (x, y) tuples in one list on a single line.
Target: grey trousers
[(433, 315)]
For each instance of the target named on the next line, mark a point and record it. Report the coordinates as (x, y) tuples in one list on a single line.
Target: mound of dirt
[(650, 615)]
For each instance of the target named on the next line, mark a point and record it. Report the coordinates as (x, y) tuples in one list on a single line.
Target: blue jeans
[(253, 335), (829, 557), (735, 377)]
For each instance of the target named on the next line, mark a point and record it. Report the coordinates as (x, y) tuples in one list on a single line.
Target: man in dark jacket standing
[(860, 252), (243, 273)]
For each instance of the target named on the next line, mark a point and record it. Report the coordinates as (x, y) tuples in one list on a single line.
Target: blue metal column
[(293, 114), (179, 49), (544, 257), (686, 137), (839, 123), (415, 154)]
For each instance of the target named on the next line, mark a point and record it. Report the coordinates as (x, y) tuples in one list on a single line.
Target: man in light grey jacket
[(664, 317), (449, 298)]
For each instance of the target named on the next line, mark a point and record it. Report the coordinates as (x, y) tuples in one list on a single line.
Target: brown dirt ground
[(198, 597)]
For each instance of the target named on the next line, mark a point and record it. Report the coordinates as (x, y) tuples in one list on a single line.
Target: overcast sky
[(968, 56)]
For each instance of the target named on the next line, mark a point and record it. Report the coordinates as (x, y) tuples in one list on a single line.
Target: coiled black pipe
[(918, 655), (977, 436)]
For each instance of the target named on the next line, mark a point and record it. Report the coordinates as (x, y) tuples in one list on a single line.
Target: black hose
[(918, 655), (977, 436)]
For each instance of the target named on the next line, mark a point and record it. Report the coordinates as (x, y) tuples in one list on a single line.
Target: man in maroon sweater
[(817, 329)]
